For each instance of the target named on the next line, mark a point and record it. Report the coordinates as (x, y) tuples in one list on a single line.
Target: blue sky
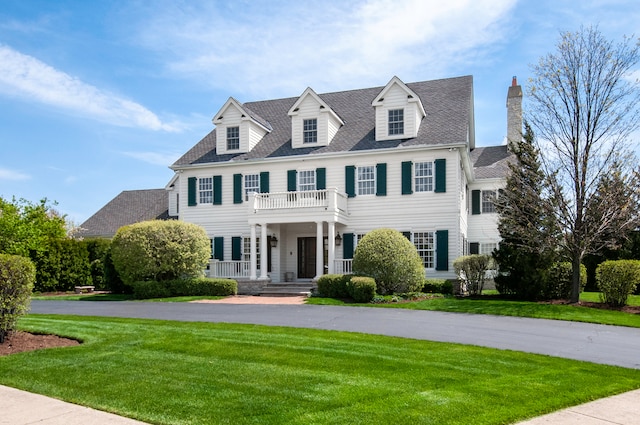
[(97, 97)]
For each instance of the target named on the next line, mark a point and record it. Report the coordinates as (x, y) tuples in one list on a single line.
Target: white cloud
[(27, 77), (155, 158), (266, 49), (7, 174)]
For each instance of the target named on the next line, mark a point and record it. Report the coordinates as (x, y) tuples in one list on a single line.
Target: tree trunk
[(575, 281)]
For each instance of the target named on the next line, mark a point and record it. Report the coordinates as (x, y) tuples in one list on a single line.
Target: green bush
[(472, 271), (202, 286), (160, 250), (437, 286), (559, 279), (361, 289), (391, 259), (17, 275), (62, 265), (616, 280), (333, 286), (145, 289)]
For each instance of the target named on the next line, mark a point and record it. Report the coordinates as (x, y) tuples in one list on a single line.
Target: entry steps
[(287, 289)]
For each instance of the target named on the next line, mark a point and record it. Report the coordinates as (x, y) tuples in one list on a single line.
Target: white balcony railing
[(329, 199), (343, 266), (229, 269)]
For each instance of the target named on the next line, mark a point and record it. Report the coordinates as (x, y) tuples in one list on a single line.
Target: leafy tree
[(526, 224), (27, 227), (472, 271), (584, 107), (160, 250), (391, 259)]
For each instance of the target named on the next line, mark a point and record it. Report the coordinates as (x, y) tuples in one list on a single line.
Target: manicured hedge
[(437, 286), (333, 285), (617, 280), (184, 287), (361, 289), (17, 275)]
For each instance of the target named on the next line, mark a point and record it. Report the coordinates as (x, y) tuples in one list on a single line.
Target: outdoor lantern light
[(338, 239), (273, 241)]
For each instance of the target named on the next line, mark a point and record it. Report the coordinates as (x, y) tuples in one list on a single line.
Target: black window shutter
[(237, 189), (264, 182), (347, 246), (441, 175), (236, 248), (321, 178), (442, 250), (350, 180), (407, 170), (292, 176), (381, 179), (217, 190), (475, 202), (407, 235), (192, 183), (474, 248), (218, 248)]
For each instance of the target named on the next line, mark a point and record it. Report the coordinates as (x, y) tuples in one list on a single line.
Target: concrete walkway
[(596, 343)]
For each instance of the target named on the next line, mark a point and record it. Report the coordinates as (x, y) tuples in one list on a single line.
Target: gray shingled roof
[(491, 161), (447, 104), (130, 206)]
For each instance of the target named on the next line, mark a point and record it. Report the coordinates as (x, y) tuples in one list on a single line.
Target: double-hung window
[(488, 201), (233, 138), (396, 122), (205, 190), (246, 250), (425, 244), (306, 180), (423, 176), (251, 185), (366, 180), (310, 131)]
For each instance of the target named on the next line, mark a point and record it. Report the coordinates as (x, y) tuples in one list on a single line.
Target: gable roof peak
[(246, 114), (411, 95), (324, 106)]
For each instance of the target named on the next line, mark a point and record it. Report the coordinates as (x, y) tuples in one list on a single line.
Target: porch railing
[(343, 266), (229, 269), (329, 199)]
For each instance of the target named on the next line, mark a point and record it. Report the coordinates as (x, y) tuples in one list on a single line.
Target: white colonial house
[(286, 188)]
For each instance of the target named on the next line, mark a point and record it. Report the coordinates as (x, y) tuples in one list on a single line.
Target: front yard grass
[(202, 373), (501, 307)]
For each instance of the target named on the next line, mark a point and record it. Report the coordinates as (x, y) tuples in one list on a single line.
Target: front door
[(306, 258)]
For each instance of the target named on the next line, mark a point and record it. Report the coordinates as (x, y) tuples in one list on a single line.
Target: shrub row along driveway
[(603, 344)]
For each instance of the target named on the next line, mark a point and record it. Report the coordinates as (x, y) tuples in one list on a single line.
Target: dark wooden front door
[(306, 257)]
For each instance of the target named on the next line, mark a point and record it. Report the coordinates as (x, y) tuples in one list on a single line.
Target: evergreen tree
[(526, 225)]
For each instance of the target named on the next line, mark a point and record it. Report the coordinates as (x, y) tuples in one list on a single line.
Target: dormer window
[(233, 138), (396, 122), (310, 131)]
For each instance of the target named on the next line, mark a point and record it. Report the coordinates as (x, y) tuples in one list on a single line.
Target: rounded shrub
[(616, 280), (17, 276), (391, 259), (160, 250), (361, 289), (333, 286), (559, 280)]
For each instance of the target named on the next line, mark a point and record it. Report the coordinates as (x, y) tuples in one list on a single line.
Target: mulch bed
[(18, 342)]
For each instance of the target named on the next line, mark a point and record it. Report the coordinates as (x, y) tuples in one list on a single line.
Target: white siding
[(397, 98), (250, 132), (483, 228), (309, 108)]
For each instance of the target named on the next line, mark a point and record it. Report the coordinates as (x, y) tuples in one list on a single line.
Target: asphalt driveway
[(604, 344)]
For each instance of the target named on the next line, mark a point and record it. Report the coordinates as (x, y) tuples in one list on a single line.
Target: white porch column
[(331, 236), (252, 254), (264, 256), (319, 250)]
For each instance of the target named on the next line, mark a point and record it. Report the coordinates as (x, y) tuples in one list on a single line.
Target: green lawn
[(497, 306), (202, 373)]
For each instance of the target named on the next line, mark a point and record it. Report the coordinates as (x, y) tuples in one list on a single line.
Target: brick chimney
[(514, 112)]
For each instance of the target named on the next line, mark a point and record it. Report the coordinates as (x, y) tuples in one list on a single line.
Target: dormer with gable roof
[(238, 129), (399, 112), (313, 122)]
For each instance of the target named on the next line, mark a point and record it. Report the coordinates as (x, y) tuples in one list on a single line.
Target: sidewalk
[(23, 408)]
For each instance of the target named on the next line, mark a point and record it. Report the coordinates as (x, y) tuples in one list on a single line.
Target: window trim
[(427, 180), (233, 136), (395, 122), (308, 186), (488, 202), (428, 261), (245, 189), (309, 131), (205, 190), (371, 183)]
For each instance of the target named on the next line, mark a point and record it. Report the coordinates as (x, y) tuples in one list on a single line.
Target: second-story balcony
[(312, 205)]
